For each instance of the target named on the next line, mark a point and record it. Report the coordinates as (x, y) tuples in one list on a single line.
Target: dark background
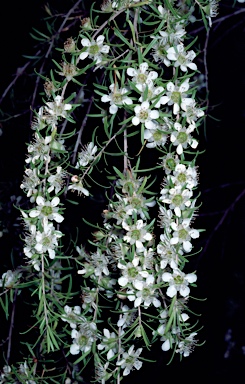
[(221, 264)]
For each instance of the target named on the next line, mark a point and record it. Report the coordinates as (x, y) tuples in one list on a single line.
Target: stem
[(11, 325)]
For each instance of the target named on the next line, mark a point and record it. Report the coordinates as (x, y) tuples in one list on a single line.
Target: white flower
[(175, 36), (39, 149), (183, 234), (57, 107), (167, 253), (186, 346), (142, 77), (117, 97), (94, 49), (178, 281), (127, 317), (181, 138), (46, 241), (184, 176), (137, 234), (182, 58), (84, 337), (86, 155), (177, 197), (156, 136), (47, 209), (131, 274), (10, 278), (109, 343), (143, 114), (56, 181), (175, 95), (30, 182), (190, 111), (79, 188), (145, 293), (130, 360)]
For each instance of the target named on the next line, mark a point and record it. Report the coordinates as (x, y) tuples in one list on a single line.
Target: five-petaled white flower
[(47, 210), (182, 59), (175, 95), (141, 77), (94, 49), (130, 360), (57, 107), (86, 155), (117, 97), (183, 234), (178, 281), (143, 114), (137, 234), (181, 137), (46, 241), (109, 343)]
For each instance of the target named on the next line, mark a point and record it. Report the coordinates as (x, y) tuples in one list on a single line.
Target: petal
[(187, 246), (123, 281), (166, 345), (154, 114), (83, 55), (145, 105), (191, 277), (34, 213), (74, 349), (143, 67), (55, 201), (51, 253), (100, 39), (171, 291), (192, 66), (105, 98), (149, 124), (40, 200), (86, 42), (135, 120), (113, 109), (57, 217), (166, 276), (184, 290), (179, 149), (164, 99), (131, 72)]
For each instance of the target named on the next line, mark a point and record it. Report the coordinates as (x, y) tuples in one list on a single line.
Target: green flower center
[(170, 163), (157, 135), (178, 280), (135, 234), (182, 137), (94, 49), (175, 97), (181, 59), (82, 340), (141, 78), (146, 292), (143, 115), (182, 234), (181, 178), (136, 203), (117, 98), (132, 272), (46, 241), (177, 200), (47, 210)]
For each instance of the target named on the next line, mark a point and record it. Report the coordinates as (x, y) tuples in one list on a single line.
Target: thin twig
[(11, 326)]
